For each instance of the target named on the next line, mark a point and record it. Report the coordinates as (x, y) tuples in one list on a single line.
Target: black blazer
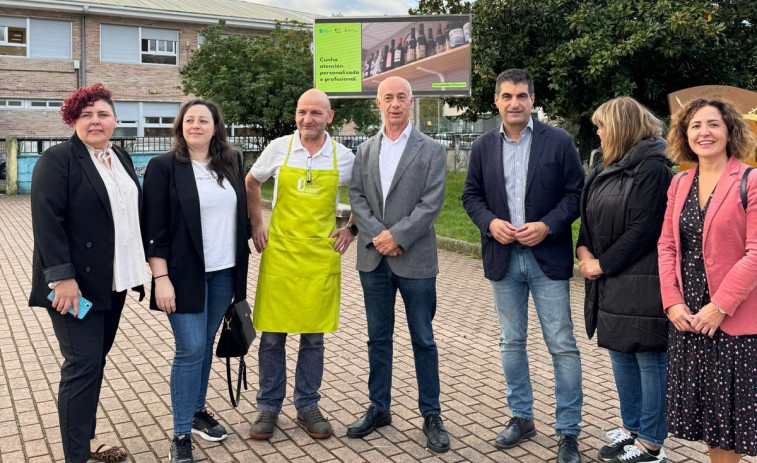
[(72, 223), (172, 229), (553, 190)]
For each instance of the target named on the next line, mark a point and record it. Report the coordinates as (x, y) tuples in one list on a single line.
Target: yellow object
[(299, 282)]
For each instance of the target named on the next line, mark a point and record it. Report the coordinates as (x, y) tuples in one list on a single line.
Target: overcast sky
[(346, 7)]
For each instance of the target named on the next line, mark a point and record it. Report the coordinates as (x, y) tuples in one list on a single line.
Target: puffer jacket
[(622, 211)]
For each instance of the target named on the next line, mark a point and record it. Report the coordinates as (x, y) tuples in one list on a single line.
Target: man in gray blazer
[(397, 191)]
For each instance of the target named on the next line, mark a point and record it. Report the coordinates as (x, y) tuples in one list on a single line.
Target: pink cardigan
[(729, 247)]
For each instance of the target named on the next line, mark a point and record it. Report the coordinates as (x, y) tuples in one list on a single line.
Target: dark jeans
[(419, 295), (84, 345), (272, 366)]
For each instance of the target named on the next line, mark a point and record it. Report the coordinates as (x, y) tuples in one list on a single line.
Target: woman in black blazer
[(85, 203), (195, 233)]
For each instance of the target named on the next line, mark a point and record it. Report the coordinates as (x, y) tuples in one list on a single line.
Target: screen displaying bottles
[(411, 42)]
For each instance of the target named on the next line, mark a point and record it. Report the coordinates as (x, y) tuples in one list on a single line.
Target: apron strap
[(333, 143), (289, 150)]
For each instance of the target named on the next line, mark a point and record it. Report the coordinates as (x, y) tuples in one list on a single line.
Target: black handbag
[(237, 334)]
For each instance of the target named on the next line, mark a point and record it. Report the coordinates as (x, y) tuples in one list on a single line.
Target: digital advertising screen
[(353, 55)]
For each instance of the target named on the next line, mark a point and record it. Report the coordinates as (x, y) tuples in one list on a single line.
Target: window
[(158, 126), (40, 104), (13, 36), (31, 104), (131, 44), (35, 38), (158, 51), (158, 119), (11, 104)]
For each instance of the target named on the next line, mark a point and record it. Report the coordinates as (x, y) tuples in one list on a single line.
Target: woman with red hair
[(85, 203)]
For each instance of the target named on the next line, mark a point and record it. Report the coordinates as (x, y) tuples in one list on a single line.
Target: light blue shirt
[(515, 155)]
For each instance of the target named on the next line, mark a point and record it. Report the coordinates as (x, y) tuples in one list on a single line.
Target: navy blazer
[(172, 230), (72, 222), (553, 191)]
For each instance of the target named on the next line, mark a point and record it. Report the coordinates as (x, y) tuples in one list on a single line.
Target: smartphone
[(84, 305)]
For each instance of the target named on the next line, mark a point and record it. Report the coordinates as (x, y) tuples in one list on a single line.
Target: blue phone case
[(84, 305)]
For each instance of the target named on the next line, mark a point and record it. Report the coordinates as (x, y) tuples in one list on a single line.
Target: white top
[(129, 266), (218, 215), (389, 157), (273, 156)]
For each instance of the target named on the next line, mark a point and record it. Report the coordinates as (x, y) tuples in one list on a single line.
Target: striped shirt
[(515, 155)]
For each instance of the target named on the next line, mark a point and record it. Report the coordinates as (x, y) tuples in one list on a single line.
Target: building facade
[(48, 48)]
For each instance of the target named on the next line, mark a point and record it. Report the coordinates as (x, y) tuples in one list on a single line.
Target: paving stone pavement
[(135, 409)]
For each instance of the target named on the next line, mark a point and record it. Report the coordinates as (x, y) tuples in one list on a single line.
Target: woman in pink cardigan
[(708, 271)]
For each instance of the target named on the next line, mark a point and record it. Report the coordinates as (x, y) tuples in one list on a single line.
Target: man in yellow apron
[(299, 280)]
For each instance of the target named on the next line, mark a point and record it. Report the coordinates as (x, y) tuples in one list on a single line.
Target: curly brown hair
[(741, 141), (75, 103)]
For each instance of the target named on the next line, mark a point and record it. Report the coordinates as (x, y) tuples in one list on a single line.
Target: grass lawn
[(453, 221)]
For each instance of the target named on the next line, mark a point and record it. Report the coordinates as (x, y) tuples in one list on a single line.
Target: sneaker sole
[(169, 455), (314, 435), (380, 424), (208, 437), (527, 436)]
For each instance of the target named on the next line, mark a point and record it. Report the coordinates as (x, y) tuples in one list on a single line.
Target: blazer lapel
[(535, 155), (497, 165), (90, 170), (412, 148), (728, 179), (373, 152), (189, 198)]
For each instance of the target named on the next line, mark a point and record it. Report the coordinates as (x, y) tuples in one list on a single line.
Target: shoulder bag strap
[(744, 179)]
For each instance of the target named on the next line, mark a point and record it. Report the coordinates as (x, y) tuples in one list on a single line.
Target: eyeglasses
[(309, 165)]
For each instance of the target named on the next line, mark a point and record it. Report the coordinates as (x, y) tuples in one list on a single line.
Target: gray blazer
[(414, 201)]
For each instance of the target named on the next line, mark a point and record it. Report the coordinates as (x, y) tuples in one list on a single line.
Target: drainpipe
[(83, 64)]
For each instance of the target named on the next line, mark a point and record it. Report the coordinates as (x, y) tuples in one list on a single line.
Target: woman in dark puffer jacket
[(622, 210)]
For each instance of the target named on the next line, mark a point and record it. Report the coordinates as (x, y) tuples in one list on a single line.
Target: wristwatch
[(352, 228)]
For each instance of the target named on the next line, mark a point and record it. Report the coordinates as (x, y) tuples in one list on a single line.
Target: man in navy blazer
[(522, 191)]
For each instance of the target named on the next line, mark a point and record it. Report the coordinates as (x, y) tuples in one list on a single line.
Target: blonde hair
[(626, 122), (741, 139)]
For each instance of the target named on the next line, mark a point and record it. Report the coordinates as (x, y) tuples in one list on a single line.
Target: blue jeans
[(642, 382), (419, 295), (552, 301), (194, 335), (272, 369)]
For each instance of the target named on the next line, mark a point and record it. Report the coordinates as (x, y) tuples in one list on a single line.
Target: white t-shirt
[(389, 157), (273, 156), (218, 214)]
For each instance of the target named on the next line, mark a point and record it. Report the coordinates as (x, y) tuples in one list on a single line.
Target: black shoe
[(369, 422), (516, 431), (438, 440), (181, 449), (207, 427), (567, 449)]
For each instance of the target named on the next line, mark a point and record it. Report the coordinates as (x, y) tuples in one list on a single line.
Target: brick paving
[(135, 407)]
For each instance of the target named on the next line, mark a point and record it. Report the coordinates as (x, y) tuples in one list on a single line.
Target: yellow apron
[(300, 276)]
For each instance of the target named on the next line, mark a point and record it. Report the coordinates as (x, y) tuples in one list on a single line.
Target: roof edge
[(141, 13)]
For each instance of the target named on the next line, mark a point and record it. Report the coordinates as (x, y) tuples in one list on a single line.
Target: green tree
[(584, 52), (257, 79)]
